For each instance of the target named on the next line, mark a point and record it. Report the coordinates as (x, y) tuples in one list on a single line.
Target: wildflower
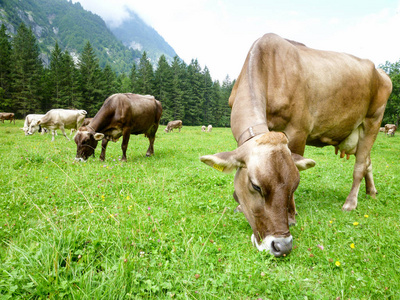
[(262, 274), (366, 216), (320, 247), (149, 208), (337, 263), (91, 211), (352, 246), (46, 177), (127, 197), (355, 223), (209, 201), (331, 222)]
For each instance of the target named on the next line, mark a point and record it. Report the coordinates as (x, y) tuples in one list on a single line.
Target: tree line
[(187, 92)]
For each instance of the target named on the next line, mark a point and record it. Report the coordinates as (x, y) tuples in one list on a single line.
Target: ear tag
[(218, 167)]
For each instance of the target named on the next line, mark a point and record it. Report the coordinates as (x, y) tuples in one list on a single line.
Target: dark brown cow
[(172, 125), (287, 96), (120, 115), (390, 129), (86, 121), (7, 116)]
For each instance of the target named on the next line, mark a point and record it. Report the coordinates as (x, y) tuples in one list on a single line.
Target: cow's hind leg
[(63, 132), (151, 134), (125, 141), (103, 149), (363, 166)]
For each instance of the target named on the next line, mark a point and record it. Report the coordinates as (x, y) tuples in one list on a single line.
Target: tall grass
[(164, 226)]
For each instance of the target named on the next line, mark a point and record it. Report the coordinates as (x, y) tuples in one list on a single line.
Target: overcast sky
[(219, 33)]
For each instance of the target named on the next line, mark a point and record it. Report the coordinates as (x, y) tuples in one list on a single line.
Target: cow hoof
[(238, 209)]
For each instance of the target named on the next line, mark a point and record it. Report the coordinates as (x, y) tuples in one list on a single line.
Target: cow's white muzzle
[(276, 246)]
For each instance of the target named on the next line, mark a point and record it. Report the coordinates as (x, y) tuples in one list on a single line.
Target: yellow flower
[(127, 197), (352, 246), (209, 201), (355, 223), (366, 216), (91, 211), (331, 222), (337, 264)]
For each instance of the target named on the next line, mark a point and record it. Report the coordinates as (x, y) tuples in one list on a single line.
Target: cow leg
[(363, 166), (292, 211), (63, 132), (125, 141), (150, 150), (53, 132), (103, 149)]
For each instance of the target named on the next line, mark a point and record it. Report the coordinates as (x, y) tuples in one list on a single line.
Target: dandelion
[(355, 223), (352, 246), (337, 263), (127, 197), (331, 222), (46, 177), (91, 211), (366, 216), (209, 201)]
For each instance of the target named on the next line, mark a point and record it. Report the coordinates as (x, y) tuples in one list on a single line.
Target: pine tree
[(27, 72), (133, 76), (145, 76), (209, 98), (176, 109), (92, 96), (55, 79), (108, 83), (193, 107), (163, 87), (69, 93), (5, 70)]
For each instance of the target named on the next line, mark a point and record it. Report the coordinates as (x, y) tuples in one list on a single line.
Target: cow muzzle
[(80, 159), (277, 246)]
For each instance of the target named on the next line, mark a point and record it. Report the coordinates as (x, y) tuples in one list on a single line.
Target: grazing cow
[(28, 121), (59, 119), (381, 129), (173, 124), (203, 128), (209, 128), (87, 121), (390, 129), (7, 116), (288, 96), (120, 115)]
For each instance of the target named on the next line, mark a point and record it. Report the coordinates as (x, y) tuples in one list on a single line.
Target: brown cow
[(87, 121), (287, 96), (172, 125), (120, 115), (390, 129), (7, 116)]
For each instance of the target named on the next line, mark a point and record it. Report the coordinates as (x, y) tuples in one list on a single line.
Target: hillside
[(136, 34), (72, 27)]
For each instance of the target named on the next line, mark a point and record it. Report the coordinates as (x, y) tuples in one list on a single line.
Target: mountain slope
[(72, 27), (136, 34)]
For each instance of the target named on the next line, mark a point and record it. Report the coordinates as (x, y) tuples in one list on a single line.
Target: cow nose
[(278, 246), (281, 247)]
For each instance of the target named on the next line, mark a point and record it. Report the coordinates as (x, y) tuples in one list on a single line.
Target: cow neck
[(248, 120), (251, 132)]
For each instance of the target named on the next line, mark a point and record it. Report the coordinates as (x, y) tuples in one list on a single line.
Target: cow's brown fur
[(120, 115), (390, 129), (7, 116), (173, 124), (316, 98)]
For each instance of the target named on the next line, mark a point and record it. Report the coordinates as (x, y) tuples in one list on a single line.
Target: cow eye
[(256, 187)]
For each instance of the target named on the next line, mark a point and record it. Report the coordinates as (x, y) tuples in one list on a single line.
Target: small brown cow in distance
[(7, 116), (390, 129)]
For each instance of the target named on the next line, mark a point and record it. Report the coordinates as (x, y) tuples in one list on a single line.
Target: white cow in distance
[(29, 119), (59, 119)]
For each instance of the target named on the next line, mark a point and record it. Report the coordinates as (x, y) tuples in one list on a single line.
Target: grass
[(164, 226)]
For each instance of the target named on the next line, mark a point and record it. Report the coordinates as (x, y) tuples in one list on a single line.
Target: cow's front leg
[(292, 212), (369, 180), (125, 141), (103, 149), (53, 133)]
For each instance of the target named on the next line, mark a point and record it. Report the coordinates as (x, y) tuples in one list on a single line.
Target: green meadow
[(164, 227)]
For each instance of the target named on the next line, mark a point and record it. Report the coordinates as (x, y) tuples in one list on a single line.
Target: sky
[(219, 33)]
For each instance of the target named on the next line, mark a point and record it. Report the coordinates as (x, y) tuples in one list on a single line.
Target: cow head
[(86, 142), (33, 127), (265, 181)]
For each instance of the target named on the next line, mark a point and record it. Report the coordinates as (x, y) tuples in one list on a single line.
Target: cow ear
[(302, 163), (224, 162), (98, 136)]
